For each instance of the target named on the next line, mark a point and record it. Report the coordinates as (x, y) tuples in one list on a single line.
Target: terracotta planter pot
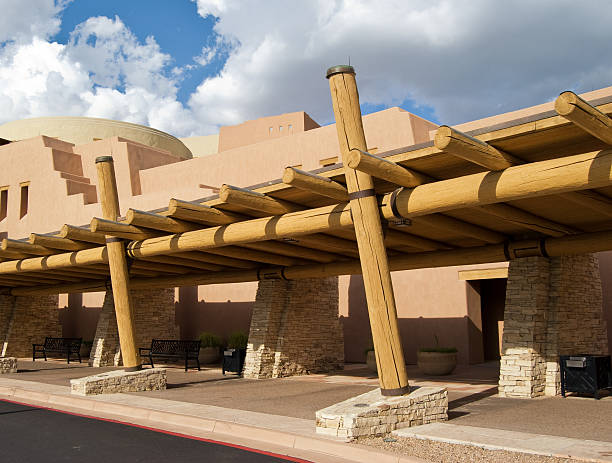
[(437, 363), (209, 355), (371, 361)]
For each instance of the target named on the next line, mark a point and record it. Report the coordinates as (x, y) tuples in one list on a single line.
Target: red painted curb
[(162, 431)]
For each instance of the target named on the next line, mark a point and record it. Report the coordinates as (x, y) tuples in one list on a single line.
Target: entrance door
[(492, 302)]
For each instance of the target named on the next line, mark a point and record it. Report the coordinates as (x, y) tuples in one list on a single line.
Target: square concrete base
[(8, 365), (372, 414), (151, 379)]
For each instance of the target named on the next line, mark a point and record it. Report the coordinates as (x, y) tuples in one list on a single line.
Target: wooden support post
[(117, 262), (368, 229)]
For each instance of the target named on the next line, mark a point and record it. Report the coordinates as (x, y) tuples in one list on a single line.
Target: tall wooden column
[(374, 263), (117, 262)]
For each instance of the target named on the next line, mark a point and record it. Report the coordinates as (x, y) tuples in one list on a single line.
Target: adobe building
[(49, 179)]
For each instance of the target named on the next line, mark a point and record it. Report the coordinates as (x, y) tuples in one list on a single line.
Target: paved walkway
[(279, 414)]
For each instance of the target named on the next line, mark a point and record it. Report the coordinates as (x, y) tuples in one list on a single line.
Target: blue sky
[(190, 66), (175, 25)]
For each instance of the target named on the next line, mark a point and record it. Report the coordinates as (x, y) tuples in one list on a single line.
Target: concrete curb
[(168, 421), (512, 441)]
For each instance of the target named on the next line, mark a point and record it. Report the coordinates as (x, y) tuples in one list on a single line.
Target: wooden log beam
[(553, 247), (268, 228), (329, 243), (447, 223), (121, 230), (290, 250), (13, 255), (81, 234), (158, 222), (160, 264), (216, 259), (364, 207), (256, 256), (383, 169), (175, 260), (256, 201), (199, 213), (55, 261), (25, 247), (590, 199), (317, 184), (55, 242), (459, 144), (544, 178), (585, 116), (527, 220), (399, 175), (397, 240), (109, 199)]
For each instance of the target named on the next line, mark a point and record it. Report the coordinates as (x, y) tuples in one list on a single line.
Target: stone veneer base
[(372, 414), (151, 379), (8, 365)]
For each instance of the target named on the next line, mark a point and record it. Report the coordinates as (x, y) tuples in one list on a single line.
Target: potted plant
[(210, 345), (371, 359), (437, 360), (234, 355)]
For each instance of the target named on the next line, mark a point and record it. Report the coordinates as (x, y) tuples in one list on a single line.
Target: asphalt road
[(29, 434)]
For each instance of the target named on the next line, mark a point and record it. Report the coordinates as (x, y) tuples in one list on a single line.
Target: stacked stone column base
[(153, 318), (27, 320), (295, 329), (372, 414), (553, 308)]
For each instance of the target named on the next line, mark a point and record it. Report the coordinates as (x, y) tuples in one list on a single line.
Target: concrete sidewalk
[(512, 441), (289, 436)]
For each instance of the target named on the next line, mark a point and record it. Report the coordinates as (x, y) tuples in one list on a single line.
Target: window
[(23, 209), (3, 202), (271, 130)]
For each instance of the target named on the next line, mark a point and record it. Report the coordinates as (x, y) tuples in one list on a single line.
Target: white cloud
[(21, 21), (466, 59), (103, 71)]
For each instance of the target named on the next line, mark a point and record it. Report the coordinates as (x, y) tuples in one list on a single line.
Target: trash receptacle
[(585, 373)]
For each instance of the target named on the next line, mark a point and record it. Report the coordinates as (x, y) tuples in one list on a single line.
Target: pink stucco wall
[(430, 302)]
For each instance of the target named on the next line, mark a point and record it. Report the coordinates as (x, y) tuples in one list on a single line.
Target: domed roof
[(81, 130)]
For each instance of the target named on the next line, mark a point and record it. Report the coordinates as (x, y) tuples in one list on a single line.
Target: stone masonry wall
[(295, 329), (553, 307), (153, 318), (25, 320)]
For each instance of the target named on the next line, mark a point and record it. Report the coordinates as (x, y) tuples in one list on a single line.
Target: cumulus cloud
[(463, 59), (103, 71), (20, 22)]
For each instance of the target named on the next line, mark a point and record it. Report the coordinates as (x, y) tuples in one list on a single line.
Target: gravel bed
[(443, 452)]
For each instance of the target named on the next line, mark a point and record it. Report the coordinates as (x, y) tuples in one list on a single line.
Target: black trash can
[(585, 373), (233, 360)]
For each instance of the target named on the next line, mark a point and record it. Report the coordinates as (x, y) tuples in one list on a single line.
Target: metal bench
[(64, 346), (172, 349)]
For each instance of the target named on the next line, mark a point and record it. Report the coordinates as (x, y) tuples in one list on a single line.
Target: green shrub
[(209, 340), (442, 350), (237, 340)]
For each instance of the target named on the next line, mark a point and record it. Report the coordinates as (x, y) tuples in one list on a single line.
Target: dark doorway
[(492, 302)]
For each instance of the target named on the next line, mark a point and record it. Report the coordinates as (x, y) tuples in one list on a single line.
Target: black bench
[(172, 349), (64, 346)]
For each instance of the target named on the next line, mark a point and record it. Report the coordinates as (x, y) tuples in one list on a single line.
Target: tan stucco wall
[(202, 146), (79, 130)]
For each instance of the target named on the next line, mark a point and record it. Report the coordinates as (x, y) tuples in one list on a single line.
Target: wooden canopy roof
[(541, 185)]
